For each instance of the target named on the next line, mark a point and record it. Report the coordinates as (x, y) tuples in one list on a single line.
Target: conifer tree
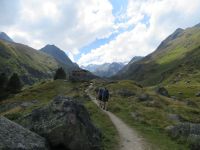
[(3, 81), (14, 83), (60, 74)]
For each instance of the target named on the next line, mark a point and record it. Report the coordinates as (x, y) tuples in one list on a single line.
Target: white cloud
[(72, 25), (68, 24), (164, 17)]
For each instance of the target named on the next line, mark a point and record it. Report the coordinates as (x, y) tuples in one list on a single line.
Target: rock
[(162, 91), (198, 94), (15, 137), (26, 104), (175, 117), (174, 97), (125, 93), (191, 103), (180, 93), (144, 97), (188, 132), (65, 124), (153, 104), (136, 116)]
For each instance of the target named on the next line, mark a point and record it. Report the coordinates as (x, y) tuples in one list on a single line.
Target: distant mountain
[(60, 57), (105, 70), (5, 37), (30, 64), (176, 59)]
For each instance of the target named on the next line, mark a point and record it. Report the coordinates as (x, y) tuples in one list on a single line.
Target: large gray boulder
[(188, 132), (65, 124), (15, 137)]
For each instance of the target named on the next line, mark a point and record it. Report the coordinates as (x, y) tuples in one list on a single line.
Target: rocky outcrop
[(189, 132), (162, 91), (15, 137), (65, 124)]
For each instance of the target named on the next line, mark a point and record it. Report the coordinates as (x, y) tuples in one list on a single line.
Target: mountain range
[(106, 69), (177, 58)]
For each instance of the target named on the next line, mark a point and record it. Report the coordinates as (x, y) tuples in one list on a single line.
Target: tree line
[(14, 85)]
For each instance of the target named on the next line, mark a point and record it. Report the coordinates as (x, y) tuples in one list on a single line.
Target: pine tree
[(60, 74), (3, 81), (14, 83)]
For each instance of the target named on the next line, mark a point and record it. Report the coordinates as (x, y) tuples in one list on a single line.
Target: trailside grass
[(151, 119), (44, 92)]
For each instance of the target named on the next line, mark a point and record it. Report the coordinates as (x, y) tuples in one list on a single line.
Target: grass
[(152, 119), (45, 91), (102, 121)]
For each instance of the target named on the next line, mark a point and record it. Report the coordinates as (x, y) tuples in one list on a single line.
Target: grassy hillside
[(176, 59), (150, 116), (30, 64), (41, 93)]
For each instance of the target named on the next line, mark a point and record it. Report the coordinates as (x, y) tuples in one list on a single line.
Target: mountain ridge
[(106, 69), (5, 37), (60, 56), (163, 65)]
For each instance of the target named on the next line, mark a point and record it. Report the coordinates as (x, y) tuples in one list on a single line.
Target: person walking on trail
[(99, 97), (105, 97)]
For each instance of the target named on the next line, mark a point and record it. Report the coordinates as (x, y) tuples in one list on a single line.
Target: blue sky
[(97, 31), (119, 7)]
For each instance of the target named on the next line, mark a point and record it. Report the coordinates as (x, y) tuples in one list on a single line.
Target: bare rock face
[(15, 137), (65, 124)]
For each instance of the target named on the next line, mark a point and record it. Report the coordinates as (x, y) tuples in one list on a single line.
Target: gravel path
[(129, 138)]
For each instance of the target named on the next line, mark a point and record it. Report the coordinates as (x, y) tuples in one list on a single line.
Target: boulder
[(175, 117), (65, 124), (125, 93), (191, 103), (15, 137), (144, 97), (188, 132), (162, 91), (198, 94), (153, 103)]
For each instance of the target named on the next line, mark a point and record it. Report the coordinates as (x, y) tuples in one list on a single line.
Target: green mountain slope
[(29, 63), (176, 59)]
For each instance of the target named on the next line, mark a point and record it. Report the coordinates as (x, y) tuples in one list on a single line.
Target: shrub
[(60, 74), (14, 84)]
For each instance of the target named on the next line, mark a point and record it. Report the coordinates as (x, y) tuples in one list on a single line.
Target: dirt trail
[(129, 138)]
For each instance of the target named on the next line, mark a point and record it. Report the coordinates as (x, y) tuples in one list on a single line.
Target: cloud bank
[(72, 25)]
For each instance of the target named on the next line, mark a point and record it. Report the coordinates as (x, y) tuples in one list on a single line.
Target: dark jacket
[(100, 93), (105, 95)]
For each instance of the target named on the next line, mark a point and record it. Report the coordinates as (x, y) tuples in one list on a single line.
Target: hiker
[(105, 97), (99, 97)]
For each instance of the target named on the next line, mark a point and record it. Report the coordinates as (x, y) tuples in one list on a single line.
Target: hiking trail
[(129, 138)]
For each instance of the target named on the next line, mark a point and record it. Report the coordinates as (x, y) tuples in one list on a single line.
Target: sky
[(97, 31)]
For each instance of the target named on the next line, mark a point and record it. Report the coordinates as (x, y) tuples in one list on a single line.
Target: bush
[(3, 81), (3, 84), (60, 74), (14, 84)]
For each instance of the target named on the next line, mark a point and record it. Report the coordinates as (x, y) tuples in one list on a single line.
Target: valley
[(154, 101)]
